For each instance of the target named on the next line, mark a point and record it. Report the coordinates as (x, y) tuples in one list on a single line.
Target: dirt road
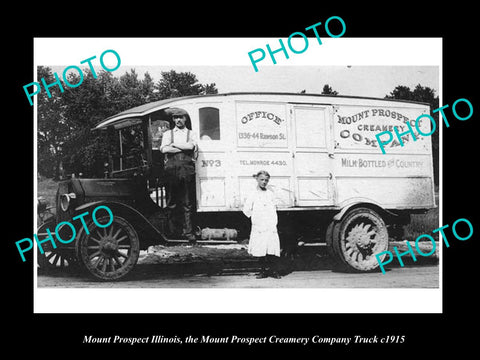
[(231, 267), (406, 277)]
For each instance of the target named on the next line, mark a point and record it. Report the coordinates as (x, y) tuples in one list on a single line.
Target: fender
[(137, 220), (352, 203)]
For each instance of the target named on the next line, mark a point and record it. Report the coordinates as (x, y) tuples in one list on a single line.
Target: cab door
[(312, 153)]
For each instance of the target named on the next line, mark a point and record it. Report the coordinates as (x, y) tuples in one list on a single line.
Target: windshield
[(131, 137), (129, 151)]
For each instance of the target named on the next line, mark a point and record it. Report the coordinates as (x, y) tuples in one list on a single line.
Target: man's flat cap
[(177, 112)]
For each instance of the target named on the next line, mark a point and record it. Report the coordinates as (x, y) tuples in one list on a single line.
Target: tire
[(52, 258), (56, 258), (109, 253), (357, 238)]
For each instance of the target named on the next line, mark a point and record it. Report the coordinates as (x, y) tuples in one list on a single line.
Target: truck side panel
[(319, 155), (401, 178)]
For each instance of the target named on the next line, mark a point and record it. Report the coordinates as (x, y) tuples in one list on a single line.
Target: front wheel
[(59, 257), (357, 238), (109, 253)]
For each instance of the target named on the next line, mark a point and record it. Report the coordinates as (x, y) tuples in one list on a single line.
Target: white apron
[(260, 207)]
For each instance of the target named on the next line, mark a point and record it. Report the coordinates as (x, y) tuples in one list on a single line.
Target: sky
[(370, 67), (370, 81)]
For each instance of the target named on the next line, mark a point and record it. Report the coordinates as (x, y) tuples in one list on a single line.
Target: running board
[(313, 244), (201, 242)]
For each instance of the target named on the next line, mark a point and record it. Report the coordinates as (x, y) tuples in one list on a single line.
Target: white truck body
[(320, 151), (327, 170)]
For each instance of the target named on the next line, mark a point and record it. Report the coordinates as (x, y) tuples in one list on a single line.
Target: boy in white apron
[(264, 241)]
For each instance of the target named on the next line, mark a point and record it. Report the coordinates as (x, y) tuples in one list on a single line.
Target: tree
[(327, 90), (400, 93), (425, 95), (51, 127), (65, 120), (173, 84), (129, 91), (84, 106)]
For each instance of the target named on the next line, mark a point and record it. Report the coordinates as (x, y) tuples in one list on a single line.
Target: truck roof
[(147, 108)]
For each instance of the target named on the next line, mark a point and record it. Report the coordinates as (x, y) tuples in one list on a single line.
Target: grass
[(47, 189), (423, 223)]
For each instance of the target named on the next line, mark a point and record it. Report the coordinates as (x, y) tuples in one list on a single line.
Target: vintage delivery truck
[(332, 182)]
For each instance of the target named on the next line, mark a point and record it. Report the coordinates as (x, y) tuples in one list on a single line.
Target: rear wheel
[(109, 253), (357, 238)]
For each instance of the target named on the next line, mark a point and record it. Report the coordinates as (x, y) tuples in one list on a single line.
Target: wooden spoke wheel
[(53, 258), (357, 238), (109, 253), (56, 258)]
